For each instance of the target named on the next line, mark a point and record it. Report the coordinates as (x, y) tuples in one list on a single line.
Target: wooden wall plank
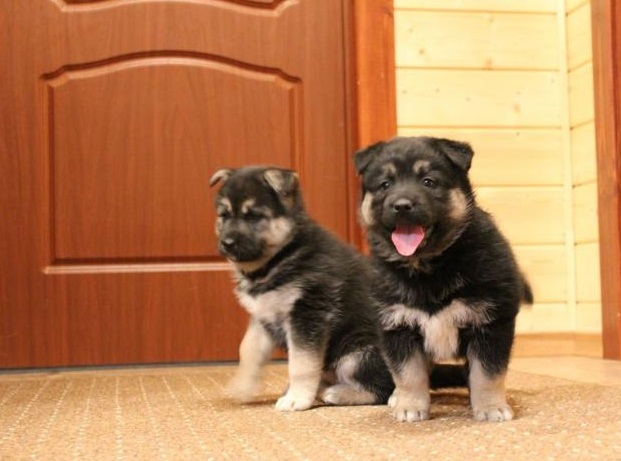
[(579, 45), (589, 317), (584, 163), (544, 318), (588, 281), (571, 5), (535, 6), (581, 95), (495, 41), (585, 213), (527, 215), (546, 269), (477, 98), (507, 157)]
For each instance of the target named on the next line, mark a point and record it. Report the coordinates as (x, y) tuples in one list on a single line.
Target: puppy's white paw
[(295, 402), (242, 388), (499, 412), (343, 394), (408, 408)]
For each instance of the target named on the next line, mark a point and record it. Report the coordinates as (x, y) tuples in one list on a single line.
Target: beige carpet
[(180, 413)]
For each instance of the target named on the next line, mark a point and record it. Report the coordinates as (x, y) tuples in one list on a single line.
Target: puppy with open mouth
[(305, 291), (446, 278)]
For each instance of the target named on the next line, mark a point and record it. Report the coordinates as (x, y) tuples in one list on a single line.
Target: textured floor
[(181, 414)]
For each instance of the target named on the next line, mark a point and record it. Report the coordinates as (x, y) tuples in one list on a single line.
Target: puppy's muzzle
[(403, 206), (240, 247), (228, 244)]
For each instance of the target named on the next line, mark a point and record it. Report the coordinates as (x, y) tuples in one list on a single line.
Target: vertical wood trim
[(606, 26), (565, 125), (375, 63), (374, 83)]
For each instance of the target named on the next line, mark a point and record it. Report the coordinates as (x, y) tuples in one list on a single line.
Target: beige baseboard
[(556, 344)]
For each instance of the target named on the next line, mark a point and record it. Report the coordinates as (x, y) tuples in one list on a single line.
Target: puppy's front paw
[(243, 388), (343, 394), (408, 408), (498, 412), (295, 402)]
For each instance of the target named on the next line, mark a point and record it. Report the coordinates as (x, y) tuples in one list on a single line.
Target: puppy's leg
[(305, 372), (488, 354), (410, 400), (487, 394), (255, 351), (348, 390)]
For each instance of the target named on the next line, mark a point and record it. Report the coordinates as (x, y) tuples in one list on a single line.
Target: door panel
[(141, 175), (115, 114)]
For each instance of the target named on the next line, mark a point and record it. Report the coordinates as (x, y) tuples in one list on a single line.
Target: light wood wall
[(584, 177), (495, 73)]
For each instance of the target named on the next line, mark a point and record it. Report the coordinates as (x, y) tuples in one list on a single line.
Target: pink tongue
[(407, 238)]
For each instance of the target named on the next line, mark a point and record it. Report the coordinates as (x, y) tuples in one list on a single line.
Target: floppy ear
[(460, 153), (363, 157), (284, 182), (220, 175)]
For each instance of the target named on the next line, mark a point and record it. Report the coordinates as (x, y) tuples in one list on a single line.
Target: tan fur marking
[(410, 400), (459, 204), (247, 205), (224, 204), (249, 266), (278, 232), (366, 210), (271, 304), (487, 394), (421, 166), (389, 169), (440, 330), (276, 235), (266, 211), (219, 223)]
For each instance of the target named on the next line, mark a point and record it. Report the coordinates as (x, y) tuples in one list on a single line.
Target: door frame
[(373, 88), (606, 27)]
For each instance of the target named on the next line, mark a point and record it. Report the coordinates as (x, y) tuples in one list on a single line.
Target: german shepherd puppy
[(305, 292), (446, 278)]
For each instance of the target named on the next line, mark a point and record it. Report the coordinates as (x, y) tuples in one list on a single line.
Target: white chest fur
[(271, 305), (441, 329)]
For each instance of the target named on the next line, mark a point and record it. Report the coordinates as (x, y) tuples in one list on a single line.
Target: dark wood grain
[(606, 26)]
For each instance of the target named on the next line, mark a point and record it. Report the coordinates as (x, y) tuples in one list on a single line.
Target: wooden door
[(606, 26), (114, 115)]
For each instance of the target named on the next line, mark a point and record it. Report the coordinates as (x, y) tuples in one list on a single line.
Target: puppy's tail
[(527, 291), (448, 375)]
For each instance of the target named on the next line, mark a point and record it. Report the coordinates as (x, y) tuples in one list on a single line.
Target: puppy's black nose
[(403, 205), (228, 243)]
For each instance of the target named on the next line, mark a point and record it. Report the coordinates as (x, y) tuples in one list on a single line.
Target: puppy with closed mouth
[(305, 291), (446, 278)]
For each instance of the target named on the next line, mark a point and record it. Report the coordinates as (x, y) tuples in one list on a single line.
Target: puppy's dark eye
[(386, 184), (429, 182), (224, 214), (254, 215)]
